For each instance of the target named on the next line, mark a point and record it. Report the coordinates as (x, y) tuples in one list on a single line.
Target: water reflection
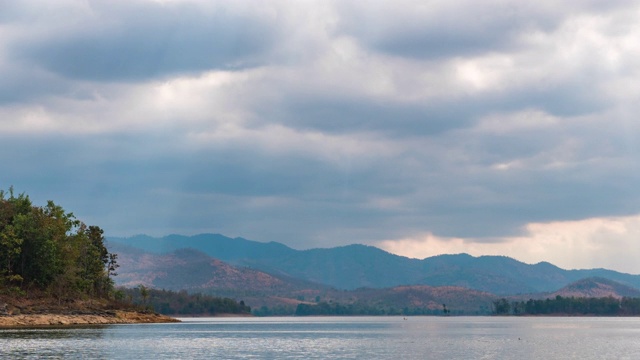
[(60, 332), (56, 342)]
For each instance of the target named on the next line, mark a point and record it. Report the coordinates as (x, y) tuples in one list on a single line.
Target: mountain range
[(355, 266), (272, 274)]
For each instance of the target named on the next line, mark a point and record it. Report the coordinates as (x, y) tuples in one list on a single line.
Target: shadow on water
[(51, 342), (52, 332)]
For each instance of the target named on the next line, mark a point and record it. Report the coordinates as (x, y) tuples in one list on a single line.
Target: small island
[(56, 270)]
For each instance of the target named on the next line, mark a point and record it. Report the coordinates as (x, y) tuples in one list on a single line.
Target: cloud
[(440, 29), (138, 40), (581, 244), (434, 30)]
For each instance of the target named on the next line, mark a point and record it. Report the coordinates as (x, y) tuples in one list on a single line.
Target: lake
[(336, 338)]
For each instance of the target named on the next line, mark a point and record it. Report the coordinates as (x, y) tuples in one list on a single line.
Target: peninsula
[(56, 270)]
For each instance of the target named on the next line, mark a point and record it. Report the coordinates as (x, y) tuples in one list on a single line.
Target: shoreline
[(221, 315), (113, 318)]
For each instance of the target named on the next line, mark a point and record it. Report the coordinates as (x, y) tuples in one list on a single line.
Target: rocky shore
[(104, 318), (43, 311)]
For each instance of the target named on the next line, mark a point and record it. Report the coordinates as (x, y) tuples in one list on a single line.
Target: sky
[(496, 127)]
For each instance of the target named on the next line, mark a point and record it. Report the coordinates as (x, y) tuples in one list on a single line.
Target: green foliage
[(603, 306), (501, 307), (144, 293), (48, 249)]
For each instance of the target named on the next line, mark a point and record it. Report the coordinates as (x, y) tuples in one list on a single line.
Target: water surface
[(336, 337)]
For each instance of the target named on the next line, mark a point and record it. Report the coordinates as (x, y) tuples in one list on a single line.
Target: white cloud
[(582, 244)]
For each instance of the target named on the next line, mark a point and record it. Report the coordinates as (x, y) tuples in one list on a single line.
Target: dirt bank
[(110, 317)]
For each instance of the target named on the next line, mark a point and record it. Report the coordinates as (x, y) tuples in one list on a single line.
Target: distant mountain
[(347, 267), (355, 266), (195, 271), (221, 247)]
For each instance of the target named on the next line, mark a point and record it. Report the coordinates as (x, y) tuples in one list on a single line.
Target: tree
[(10, 248), (501, 307), (144, 292), (445, 310), (95, 265), (112, 265)]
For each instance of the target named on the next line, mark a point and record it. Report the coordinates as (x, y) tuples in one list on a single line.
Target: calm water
[(336, 337)]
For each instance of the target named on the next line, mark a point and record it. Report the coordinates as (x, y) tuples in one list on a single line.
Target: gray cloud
[(438, 34), (362, 115), (439, 30), (136, 40), (240, 190)]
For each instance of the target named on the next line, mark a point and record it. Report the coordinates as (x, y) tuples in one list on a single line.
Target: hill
[(596, 287), (196, 272), (355, 266)]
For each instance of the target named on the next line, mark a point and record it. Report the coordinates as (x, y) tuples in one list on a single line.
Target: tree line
[(603, 306), (181, 303), (45, 249), (334, 308)]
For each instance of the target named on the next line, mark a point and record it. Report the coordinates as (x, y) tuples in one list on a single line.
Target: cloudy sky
[(422, 127)]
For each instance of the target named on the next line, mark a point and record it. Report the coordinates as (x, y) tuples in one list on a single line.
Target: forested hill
[(356, 266), (46, 250)]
